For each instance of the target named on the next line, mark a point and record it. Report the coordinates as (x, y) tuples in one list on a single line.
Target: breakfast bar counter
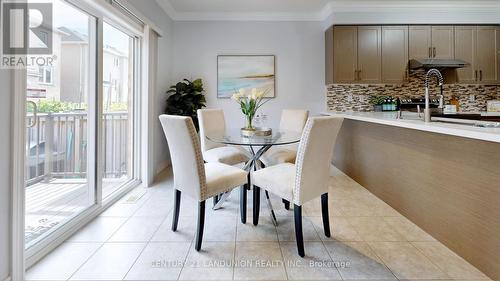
[(410, 120), (443, 177)]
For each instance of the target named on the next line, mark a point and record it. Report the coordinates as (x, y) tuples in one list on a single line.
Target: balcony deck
[(51, 203)]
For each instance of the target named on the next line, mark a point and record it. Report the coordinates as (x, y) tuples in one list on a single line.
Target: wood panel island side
[(444, 178)]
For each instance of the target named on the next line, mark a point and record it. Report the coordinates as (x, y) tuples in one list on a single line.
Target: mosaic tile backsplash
[(356, 97)]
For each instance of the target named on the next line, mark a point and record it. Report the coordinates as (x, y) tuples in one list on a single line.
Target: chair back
[(211, 123), (314, 157), (185, 154), (293, 120)]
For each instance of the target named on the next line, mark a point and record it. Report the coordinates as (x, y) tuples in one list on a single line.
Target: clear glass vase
[(249, 120)]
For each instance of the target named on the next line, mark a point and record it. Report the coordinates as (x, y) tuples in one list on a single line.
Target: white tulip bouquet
[(249, 104)]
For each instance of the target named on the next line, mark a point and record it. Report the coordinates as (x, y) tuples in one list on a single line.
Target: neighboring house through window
[(45, 74)]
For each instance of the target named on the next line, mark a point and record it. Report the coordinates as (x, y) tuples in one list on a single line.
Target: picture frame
[(235, 72)]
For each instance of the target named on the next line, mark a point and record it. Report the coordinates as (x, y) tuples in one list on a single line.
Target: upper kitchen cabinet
[(487, 61), (394, 53), (345, 54), (465, 49), (427, 41), (442, 42), (420, 45), (478, 46), (356, 56), (369, 54)]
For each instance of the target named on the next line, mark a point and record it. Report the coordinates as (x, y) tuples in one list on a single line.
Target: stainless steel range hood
[(436, 63)]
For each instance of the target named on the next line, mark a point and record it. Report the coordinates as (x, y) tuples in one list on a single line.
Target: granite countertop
[(411, 121)]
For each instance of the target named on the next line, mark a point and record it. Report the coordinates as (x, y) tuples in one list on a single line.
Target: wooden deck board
[(51, 203)]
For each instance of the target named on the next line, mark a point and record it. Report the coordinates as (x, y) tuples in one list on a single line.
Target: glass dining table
[(256, 147)]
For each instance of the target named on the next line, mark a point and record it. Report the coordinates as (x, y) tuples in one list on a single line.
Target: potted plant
[(377, 102), (185, 98), (249, 104)]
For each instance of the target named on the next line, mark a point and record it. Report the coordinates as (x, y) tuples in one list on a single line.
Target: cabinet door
[(345, 45), (486, 54), (465, 49), (394, 53), (369, 54), (329, 56), (442, 42), (419, 42)]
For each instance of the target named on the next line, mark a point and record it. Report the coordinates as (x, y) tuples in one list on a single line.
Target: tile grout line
[(234, 252), (145, 246), (281, 250), (436, 265), (380, 257), (107, 240), (102, 244), (71, 276), (326, 249)]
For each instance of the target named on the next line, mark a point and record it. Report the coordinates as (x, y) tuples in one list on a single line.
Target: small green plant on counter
[(378, 100)]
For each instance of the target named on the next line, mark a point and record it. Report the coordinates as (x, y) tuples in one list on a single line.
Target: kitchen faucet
[(427, 110)]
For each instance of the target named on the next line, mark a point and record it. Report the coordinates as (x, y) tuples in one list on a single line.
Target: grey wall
[(299, 50), (155, 13), (5, 173)]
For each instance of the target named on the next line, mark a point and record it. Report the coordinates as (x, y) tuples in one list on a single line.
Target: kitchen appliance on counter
[(418, 104), (493, 106), (413, 104)]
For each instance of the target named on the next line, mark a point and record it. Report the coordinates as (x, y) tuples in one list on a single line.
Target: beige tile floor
[(370, 240)]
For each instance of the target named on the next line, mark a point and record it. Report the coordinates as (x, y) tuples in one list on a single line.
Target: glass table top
[(234, 137)]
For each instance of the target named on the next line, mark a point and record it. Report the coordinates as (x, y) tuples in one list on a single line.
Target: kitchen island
[(444, 177)]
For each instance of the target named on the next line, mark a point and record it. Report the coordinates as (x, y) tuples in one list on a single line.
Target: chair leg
[(249, 181), (286, 203), (324, 214), (216, 199), (177, 206), (297, 212), (243, 204), (201, 224), (256, 204)]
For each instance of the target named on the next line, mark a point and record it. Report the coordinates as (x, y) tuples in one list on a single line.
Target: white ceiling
[(301, 9)]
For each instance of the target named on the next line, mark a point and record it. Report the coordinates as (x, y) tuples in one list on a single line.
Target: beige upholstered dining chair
[(291, 120), (308, 177), (212, 122), (191, 176)]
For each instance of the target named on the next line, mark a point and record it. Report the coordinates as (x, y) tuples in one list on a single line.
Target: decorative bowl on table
[(257, 132)]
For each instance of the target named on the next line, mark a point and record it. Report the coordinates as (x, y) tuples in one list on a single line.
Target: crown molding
[(338, 6)]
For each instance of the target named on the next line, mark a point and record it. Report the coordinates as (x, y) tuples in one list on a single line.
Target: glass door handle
[(35, 112)]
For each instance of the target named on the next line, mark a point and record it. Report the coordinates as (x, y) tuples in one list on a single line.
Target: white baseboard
[(162, 166), (7, 279)]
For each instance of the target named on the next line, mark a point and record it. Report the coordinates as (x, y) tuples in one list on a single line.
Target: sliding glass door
[(59, 144), (118, 104), (81, 116)]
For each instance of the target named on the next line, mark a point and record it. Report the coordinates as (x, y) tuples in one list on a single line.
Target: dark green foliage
[(185, 98)]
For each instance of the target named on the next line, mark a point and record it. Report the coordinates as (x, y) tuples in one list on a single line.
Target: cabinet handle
[(430, 52), (480, 75), (359, 74), (434, 52), (475, 75)]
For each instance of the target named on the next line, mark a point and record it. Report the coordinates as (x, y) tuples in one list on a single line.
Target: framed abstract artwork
[(235, 72)]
